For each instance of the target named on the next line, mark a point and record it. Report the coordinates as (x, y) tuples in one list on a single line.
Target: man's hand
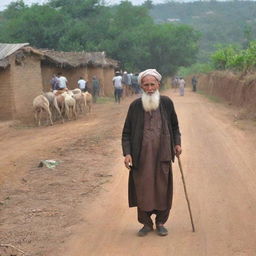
[(128, 161), (178, 150)]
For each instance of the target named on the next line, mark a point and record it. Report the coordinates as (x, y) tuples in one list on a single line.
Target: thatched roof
[(59, 59), (8, 49), (78, 59)]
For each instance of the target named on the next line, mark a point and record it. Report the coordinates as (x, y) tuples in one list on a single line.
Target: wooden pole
[(186, 194)]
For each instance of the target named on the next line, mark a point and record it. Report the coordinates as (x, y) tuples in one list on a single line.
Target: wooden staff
[(186, 194)]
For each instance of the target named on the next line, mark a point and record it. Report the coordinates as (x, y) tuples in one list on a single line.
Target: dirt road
[(80, 207)]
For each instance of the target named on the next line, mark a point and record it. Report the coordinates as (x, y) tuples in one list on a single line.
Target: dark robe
[(150, 179)]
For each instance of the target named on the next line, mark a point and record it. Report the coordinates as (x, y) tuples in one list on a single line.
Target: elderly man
[(150, 140)]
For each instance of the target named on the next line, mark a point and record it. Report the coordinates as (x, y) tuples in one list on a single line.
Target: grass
[(210, 97), (102, 100)]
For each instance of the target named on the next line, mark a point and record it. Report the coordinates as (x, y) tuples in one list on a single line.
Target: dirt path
[(80, 208)]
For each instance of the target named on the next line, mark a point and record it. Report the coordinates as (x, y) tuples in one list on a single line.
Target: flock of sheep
[(61, 104)]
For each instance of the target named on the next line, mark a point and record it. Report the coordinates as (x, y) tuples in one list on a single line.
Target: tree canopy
[(125, 32)]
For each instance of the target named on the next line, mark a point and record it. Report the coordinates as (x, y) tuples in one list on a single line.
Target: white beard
[(150, 102)]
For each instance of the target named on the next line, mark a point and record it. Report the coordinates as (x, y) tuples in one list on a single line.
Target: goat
[(40, 104)]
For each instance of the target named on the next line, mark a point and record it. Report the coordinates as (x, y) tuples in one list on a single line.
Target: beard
[(150, 101)]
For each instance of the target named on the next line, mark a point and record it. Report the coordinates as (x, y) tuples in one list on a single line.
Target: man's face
[(149, 84)]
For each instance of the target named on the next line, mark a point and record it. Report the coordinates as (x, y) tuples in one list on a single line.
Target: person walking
[(62, 81), (82, 84), (194, 83), (95, 88), (150, 140), (182, 86), (118, 87), (54, 83)]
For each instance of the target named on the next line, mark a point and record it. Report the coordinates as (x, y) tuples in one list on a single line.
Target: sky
[(4, 3)]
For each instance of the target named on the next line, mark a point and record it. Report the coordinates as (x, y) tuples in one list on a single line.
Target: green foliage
[(41, 26), (125, 32), (222, 57), (196, 68), (14, 9), (177, 47), (76, 8), (230, 57)]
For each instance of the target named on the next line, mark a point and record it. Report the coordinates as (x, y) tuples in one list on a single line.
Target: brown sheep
[(80, 103)]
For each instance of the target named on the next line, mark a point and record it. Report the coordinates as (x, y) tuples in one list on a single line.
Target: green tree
[(41, 26), (170, 46)]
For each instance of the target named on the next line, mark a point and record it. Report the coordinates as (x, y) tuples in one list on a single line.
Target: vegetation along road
[(80, 207)]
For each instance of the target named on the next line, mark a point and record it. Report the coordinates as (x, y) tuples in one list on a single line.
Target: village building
[(74, 65), (25, 72), (20, 80)]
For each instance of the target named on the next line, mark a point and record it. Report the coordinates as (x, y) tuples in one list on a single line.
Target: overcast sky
[(4, 3)]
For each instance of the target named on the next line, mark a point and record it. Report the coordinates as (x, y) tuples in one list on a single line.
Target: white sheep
[(40, 104), (70, 105), (88, 100)]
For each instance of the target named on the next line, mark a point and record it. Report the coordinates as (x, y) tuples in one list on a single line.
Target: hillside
[(219, 22)]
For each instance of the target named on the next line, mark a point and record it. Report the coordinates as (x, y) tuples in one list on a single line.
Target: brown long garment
[(152, 179)]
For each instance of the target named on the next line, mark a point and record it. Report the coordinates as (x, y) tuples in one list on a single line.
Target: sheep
[(80, 102), (61, 103), (77, 91), (60, 91), (70, 104), (53, 103), (88, 100), (40, 104)]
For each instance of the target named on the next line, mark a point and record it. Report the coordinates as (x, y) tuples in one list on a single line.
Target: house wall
[(105, 76), (72, 75), (6, 95), (47, 73), (26, 82), (109, 73)]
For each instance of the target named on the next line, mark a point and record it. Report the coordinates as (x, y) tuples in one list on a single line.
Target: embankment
[(237, 90)]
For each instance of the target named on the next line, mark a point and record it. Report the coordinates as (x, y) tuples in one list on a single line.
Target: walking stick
[(186, 194)]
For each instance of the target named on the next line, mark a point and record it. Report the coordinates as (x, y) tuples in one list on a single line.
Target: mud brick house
[(25, 72), (20, 80), (73, 65)]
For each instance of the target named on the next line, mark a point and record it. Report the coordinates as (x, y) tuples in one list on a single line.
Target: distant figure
[(130, 90), (181, 86), (82, 84), (126, 81), (62, 81), (95, 88), (54, 82), (135, 83), (175, 83), (118, 87), (194, 83)]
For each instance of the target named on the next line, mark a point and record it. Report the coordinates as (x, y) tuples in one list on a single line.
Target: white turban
[(149, 72)]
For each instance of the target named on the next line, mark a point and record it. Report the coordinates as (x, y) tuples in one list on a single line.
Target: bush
[(230, 57)]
